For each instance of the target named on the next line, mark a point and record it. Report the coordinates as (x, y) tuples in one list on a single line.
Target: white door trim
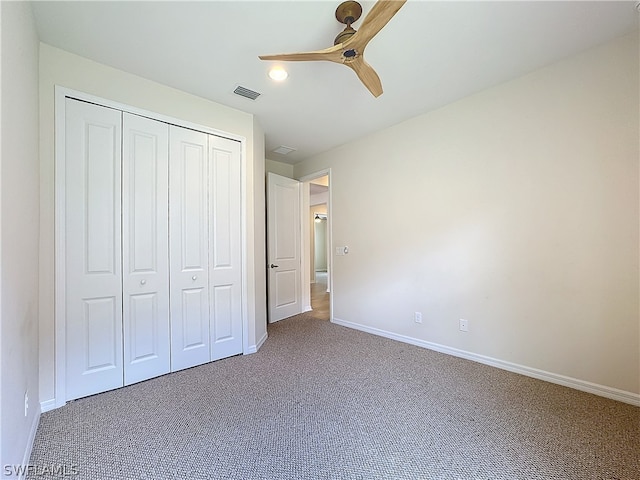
[(306, 222), (61, 93)]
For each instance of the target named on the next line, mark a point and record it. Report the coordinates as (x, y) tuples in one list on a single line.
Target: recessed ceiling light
[(278, 74)]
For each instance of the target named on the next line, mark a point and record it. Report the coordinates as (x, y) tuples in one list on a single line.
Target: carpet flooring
[(321, 401)]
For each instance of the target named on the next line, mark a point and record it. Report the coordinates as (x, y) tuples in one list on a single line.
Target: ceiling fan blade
[(376, 19), (331, 54), (351, 51), (367, 75)]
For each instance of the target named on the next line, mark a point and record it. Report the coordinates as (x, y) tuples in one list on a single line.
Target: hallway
[(320, 297)]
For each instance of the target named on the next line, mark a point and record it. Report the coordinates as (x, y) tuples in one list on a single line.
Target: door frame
[(306, 238), (60, 96)]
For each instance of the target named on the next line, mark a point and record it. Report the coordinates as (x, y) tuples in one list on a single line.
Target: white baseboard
[(48, 405), (27, 452), (601, 390), (256, 347), (261, 341), (307, 308)]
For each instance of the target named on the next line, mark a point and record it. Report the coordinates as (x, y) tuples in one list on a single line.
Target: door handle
[(273, 266)]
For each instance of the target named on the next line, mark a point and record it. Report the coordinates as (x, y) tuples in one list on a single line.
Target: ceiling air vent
[(283, 150), (245, 92)]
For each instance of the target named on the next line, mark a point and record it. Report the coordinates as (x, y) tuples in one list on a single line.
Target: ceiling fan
[(349, 45)]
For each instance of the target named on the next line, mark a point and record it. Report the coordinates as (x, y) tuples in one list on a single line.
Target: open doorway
[(291, 246), (317, 246)]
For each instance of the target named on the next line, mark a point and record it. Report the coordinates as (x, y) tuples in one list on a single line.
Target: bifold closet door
[(188, 243), (153, 248), (145, 247), (93, 285), (225, 244)]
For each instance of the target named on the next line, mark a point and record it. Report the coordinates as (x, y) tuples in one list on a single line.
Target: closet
[(152, 248)]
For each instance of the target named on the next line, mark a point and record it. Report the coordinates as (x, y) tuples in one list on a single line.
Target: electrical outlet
[(417, 317), (26, 403), (464, 325)]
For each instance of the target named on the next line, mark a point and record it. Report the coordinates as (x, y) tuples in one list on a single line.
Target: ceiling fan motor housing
[(348, 12), (344, 35)]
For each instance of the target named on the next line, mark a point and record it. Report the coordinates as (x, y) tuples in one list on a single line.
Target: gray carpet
[(320, 401)]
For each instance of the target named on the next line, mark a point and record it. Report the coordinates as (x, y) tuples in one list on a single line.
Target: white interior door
[(188, 244), (283, 245), (225, 242), (92, 249), (145, 248)]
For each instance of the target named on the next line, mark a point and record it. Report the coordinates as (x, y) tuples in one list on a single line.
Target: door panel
[(222, 307), (92, 232), (195, 319), (145, 184), (283, 232), (188, 242), (286, 283), (101, 331), (225, 243), (142, 333)]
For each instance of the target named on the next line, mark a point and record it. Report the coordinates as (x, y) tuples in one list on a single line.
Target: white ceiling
[(430, 54)]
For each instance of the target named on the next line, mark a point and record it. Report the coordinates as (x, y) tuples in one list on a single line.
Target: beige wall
[(18, 232), (283, 169), (258, 296), (319, 244), (516, 209), (312, 253), (58, 67)]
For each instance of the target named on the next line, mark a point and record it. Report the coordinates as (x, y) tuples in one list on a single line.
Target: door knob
[(273, 266), (194, 278), (143, 282)]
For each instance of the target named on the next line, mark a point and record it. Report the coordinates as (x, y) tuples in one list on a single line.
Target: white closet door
[(188, 243), (93, 251), (145, 248), (225, 248)]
